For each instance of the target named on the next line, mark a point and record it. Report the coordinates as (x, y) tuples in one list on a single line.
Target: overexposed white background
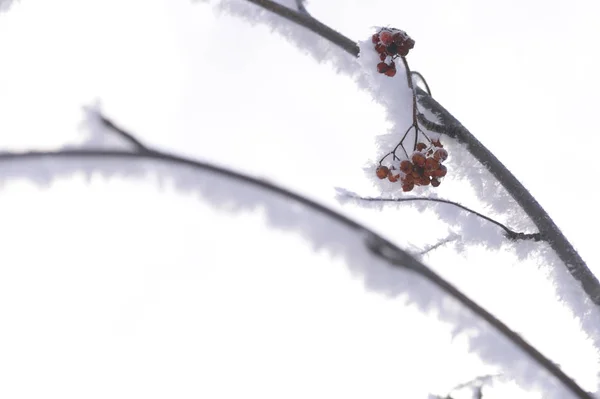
[(129, 286)]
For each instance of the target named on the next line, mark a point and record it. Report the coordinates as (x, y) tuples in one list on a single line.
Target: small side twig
[(301, 8), (124, 134), (476, 384), (449, 239), (477, 381), (422, 79), (509, 233)]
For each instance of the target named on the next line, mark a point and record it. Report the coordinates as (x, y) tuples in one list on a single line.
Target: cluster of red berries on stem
[(391, 43), (424, 168)]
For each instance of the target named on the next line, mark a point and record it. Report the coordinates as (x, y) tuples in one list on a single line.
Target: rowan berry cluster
[(424, 167), (391, 43)]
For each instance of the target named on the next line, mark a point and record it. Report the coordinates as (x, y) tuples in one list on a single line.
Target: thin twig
[(418, 74), (376, 244), (301, 8), (453, 128), (124, 134), (510, 234), (449, 239), (475, 381)]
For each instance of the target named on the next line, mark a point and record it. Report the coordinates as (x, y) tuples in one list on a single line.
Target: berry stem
[(414, 98)]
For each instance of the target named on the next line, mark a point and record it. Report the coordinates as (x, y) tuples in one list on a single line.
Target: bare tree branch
[(376, 244), (510, 234), (453, 128)]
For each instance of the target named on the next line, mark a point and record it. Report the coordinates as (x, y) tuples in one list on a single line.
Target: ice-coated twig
[(477, 381), (377, 245), (450, 126), (422, 79), (449, 239), (510, 233)]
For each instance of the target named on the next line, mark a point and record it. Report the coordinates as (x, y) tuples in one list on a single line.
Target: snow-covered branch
[(450, 126), (309, 22), (379, 250), (510, 233)]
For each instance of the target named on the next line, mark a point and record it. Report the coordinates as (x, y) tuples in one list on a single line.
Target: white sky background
[(519, 76)]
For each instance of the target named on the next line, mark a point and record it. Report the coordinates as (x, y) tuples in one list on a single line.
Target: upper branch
[(453, 128), (310, 23)]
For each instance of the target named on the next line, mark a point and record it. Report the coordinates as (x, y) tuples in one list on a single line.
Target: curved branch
[(422, 78), (310, 23), (511, 234), (546, 226), (453, 128), (378, 245)]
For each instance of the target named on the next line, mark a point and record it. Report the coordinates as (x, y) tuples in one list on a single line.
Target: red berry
[(382, 67), (383, 56), (435, 182), (408, 187), (391, 72), (399, 38), (392, 177), (382, 172), (386, 37), (380, 48), (440, 155), (375, 38), (418, 159), (431, 164), (424, 181), (441, 172), (408, 179), (406, 166), (391, 49), (417, 172), (421, 146)]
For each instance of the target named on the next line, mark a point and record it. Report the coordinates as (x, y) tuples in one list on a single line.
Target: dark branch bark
[(123, 134), (453, 128), (510, 233), (310, 23), (376, 244), (546, 226)]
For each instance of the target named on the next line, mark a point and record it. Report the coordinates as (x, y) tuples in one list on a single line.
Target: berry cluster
[(391, 43), (424, 168)]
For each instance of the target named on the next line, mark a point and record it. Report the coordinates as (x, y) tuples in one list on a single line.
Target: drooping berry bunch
[(391, 43), (425, 167)]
